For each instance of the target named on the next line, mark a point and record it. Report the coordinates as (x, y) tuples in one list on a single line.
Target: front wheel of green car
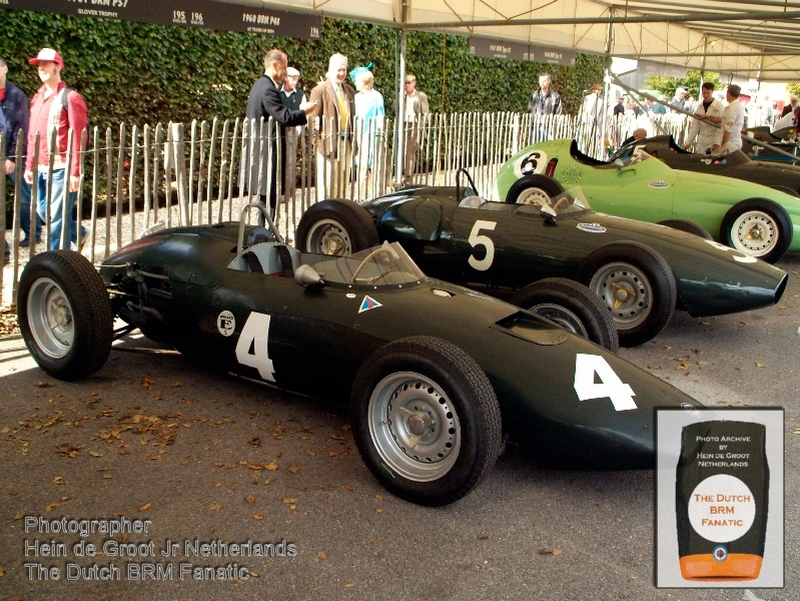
[(427, 420), (64, 314)]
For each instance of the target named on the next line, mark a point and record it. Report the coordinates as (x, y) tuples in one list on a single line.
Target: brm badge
[(658, 184), (592, 228)]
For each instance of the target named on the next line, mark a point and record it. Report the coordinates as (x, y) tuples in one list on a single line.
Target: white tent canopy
[(736, 38)]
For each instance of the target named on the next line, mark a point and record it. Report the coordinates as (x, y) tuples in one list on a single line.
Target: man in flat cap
[(55, 106), (732, 122), (293, 98), (416, 106)]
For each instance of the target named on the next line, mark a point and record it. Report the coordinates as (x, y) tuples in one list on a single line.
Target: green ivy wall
[(139, 73)]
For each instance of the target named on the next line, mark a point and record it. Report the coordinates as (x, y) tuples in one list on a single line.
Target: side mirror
[(305, 275)]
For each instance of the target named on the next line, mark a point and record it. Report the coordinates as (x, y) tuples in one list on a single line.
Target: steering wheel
[(561, 203)]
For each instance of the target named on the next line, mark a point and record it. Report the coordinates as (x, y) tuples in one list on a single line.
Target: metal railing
[(204, 172)]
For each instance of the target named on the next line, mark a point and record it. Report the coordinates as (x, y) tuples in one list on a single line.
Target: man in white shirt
[(732, 122), (788, 120), (703, 126)]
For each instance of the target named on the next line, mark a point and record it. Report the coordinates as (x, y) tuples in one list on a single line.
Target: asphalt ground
[(209, 457)]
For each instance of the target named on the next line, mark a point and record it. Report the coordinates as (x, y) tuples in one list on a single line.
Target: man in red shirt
[(51, 110)]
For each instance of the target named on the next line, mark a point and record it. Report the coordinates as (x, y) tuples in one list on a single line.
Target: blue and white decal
[(592, 228), (720, 553), (368, 304), (691, 410)]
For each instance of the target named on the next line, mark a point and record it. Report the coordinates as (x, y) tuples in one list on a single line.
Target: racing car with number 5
[(640, 272), (435, 374)]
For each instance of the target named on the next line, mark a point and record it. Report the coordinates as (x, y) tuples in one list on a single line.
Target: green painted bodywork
[(711, 279), (318, 336), (647, 190)]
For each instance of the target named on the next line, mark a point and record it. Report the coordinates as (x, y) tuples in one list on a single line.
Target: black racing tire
[(64, 314), (685, 225), (572, 306), (533, 190), (335, 227), (757, 227), (426, 420), (787, 190), (636, 285)]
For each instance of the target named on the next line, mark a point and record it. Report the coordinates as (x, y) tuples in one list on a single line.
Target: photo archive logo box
[(719, 498)]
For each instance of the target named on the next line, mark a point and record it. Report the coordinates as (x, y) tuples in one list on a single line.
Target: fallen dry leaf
[(215, 506), (350, 585), (145, 507), (258, 516), (321, 555), (293, 468), (549, 551), (52, 507), (289, 501), (271, 466), (58, 480), (483, 536), (250, 499)]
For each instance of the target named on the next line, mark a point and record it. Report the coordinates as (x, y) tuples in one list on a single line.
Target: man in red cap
[(55, 107)]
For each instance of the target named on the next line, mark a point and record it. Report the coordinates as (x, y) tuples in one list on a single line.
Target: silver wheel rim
[(562, 317), (626, 291), (50, 318), (754, 233), (533, 196), (414, 427), (329, 237)]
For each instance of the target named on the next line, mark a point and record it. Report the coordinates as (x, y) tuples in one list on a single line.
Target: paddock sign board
[(204, 14)]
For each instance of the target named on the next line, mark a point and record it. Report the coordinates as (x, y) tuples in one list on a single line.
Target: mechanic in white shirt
[(704, 124), (732, 122)]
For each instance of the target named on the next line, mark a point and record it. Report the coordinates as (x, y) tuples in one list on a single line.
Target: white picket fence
[(200, 173)]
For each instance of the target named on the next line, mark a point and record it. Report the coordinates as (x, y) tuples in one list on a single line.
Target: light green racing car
[(756, 220)]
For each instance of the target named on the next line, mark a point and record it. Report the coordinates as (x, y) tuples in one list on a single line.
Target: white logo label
[(592, 228), (226, 323)]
